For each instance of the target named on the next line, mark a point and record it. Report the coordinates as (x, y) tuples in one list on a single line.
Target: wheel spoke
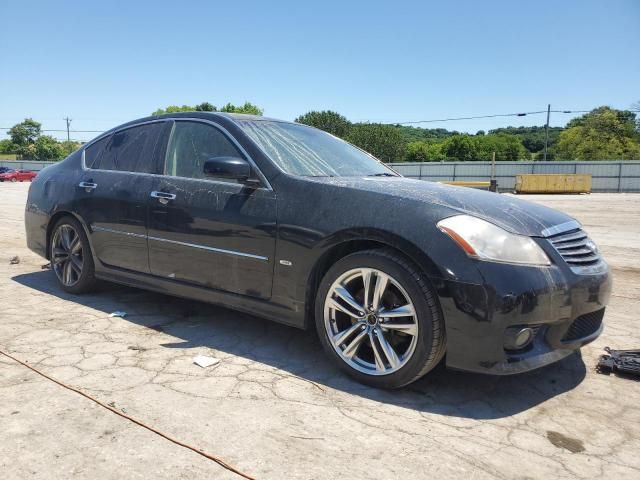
[(66, 273), (381, 285), (333, 303), (408, 328), (366, 280), (76, 245), (380, 367), (65, 237), (352, 348), (76, 265), (403, 311), (59, 255), (342, 337), (344, 294), (388, 350)]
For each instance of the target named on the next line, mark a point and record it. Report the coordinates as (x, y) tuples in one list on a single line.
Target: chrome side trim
[(211, 249), (563, 227), (119, 232), (185, 244)]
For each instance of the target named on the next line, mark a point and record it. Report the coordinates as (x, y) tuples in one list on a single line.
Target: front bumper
[(548, 299)]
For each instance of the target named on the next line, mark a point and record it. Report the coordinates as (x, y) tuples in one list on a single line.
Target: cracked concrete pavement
[(273, 406)]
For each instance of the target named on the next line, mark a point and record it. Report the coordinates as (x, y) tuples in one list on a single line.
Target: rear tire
[(71, 258), (14, 179), (378, 319)]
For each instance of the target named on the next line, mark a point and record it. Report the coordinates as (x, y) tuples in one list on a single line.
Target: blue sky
[(104, 63)]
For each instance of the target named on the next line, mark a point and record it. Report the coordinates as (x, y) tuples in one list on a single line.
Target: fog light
[(517, 338)]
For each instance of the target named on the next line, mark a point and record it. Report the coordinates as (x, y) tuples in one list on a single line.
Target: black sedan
[(292, 224)]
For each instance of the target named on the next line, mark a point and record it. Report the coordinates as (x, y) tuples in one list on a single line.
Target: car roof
[(234, 117), (230, 117)]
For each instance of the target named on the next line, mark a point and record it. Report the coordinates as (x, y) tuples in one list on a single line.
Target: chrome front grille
[(576, 248)]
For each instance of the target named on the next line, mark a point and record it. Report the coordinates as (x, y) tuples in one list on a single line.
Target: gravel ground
[(274, 407)]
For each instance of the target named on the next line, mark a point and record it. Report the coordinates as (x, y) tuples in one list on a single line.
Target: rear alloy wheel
[(71, 258), (378, 319), (14, 179)]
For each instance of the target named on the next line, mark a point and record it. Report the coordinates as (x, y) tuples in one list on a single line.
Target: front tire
[(378, 319), (14, 179), (71, 258)]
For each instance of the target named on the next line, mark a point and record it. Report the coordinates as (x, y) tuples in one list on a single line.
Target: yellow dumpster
[(553, 183)]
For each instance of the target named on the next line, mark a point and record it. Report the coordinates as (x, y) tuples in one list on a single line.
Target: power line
[(520, 114), (63, 130), (437, 120)]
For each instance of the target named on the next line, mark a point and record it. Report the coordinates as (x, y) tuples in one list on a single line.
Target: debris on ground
[(204, 361), (137, 348), (14, 261), (562, 441), (46, 266), (118, 313), (619, 361)]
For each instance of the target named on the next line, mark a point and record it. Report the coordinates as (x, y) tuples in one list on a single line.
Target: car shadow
[(197, 324)]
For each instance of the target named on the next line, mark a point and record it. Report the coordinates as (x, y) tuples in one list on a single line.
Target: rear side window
[(93, 151), (191, 144), (132, 150)]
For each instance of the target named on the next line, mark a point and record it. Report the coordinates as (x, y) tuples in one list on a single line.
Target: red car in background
[(9, 175)]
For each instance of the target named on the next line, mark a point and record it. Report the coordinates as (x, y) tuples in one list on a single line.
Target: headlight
[(486, 241)]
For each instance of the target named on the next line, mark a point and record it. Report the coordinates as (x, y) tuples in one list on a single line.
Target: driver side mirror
[(232, 168)]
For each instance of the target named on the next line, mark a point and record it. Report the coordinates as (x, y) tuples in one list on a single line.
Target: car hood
[(512, 214)]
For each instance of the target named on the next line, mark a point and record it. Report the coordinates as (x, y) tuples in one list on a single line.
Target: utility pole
[(546, 132), (68, 120), (493, 184)]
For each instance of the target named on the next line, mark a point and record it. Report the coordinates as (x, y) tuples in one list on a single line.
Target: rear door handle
[(88, 186), (163, 197)]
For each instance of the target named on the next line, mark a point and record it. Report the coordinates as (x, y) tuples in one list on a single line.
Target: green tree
[(68, 147), (425, 151), (461, 148), (382, 141), (44, 148), (327, 120), (7, 146), (602, 134), (248, 108), (532, 137), (25, 133), (174, 109), (205, 107)]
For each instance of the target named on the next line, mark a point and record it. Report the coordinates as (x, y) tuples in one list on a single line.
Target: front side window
[(191, 144), (305, 151), (131, 150)]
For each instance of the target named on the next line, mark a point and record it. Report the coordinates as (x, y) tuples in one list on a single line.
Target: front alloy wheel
[(378, 318), (370, 321)]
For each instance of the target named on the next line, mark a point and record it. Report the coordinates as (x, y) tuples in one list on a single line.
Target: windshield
[(309, 152)]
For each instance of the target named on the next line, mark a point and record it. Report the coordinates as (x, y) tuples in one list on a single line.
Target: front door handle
[(88, 186), (163, 197)]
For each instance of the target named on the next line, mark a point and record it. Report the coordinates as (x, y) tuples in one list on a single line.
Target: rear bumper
[(549, 300), (36, 222)]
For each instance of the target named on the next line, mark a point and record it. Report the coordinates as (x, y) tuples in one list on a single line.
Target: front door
[(113, 195), (210, 232)]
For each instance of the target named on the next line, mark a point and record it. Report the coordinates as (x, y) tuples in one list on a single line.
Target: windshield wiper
[(385, 174)]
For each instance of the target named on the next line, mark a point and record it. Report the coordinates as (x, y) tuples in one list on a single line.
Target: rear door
[(209, 231), (113, 193)]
